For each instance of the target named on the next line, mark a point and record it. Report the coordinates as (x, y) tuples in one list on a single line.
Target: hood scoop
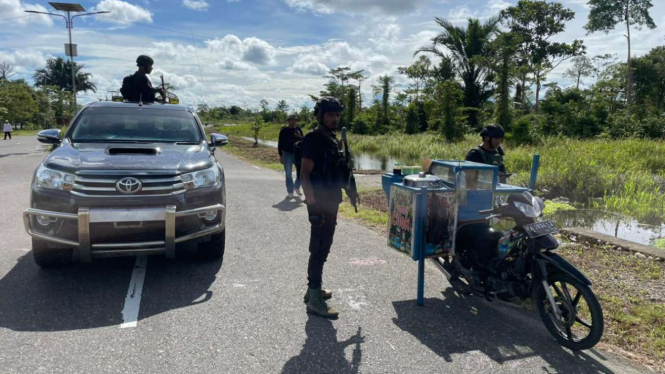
[(150, 151)]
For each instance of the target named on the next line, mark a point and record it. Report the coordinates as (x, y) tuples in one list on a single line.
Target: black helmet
[(144, 60), (328, 104), (493, 131)]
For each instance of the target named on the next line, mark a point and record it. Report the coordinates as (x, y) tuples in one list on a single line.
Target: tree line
[(495, 71)]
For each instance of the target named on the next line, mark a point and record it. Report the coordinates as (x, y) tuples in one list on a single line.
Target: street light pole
[(71, 58), (68, 7)]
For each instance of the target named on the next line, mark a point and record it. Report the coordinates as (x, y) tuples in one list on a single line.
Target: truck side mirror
[(218, 140), (51, 136)]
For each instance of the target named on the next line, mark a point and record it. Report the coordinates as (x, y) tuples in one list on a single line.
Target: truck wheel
[(46, 257), (213, 249)]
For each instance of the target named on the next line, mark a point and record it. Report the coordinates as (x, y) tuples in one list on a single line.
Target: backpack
[(127, 89)]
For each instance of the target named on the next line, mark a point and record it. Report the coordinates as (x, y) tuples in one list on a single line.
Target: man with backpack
[(490, 151), (137, 87)]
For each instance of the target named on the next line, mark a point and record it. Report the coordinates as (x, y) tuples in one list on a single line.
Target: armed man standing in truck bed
[(323, 177), (137, 87)]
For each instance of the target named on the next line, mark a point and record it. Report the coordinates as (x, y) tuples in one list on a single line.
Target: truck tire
[(46, 257), (213, 249)]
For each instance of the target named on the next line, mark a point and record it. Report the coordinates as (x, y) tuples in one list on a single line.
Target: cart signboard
[(402, 220), (440, 224)]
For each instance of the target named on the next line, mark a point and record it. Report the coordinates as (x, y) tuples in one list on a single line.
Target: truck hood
[(175, 158)]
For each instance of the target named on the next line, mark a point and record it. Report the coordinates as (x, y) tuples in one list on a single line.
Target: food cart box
[(478, 180), (421, 221)]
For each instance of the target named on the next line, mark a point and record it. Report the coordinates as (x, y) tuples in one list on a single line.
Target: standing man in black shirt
[(322, 181), (288, 136), (137, 87), (490, 151)]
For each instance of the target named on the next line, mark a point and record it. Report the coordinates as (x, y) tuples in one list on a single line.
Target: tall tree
[(418, 72), (466, 45), (386, 83), (359, 77), (58, 72), (536, 22), (6, 70), (606, 14), (504, 62), (350, 111), (282, 106), (582, 67)]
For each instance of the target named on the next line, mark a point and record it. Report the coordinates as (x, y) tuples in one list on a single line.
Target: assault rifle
[(350, 188)]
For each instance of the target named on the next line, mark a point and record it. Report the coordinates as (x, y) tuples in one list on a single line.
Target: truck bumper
[(88, 251)]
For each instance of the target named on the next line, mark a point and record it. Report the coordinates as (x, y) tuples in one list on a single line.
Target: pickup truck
[(127, 179)]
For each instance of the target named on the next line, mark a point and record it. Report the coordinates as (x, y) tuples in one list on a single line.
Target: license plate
[(538, 229)]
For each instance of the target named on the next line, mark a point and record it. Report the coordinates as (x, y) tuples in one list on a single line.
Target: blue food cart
[(426, 208)]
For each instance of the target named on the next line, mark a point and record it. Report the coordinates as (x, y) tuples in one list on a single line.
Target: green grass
[(552, 207), (269, 132)]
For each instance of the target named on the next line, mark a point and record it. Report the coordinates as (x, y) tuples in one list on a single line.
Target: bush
[(360, 127), (523, 131)]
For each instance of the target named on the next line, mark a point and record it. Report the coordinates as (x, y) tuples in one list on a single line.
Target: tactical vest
[(334, 171), (495, 159)]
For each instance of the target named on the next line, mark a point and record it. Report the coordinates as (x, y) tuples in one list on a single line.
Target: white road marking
[(256, 167), (130, 314)]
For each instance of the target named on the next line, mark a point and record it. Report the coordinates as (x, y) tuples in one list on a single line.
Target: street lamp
[(70, 49)]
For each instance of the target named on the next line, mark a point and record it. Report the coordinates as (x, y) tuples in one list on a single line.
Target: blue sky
[(243, 51)]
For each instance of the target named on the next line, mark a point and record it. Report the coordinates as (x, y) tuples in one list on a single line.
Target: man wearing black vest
[(490, 151), (322, 181)]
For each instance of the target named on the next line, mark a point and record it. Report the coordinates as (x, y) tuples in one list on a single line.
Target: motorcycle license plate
[(538, 229)]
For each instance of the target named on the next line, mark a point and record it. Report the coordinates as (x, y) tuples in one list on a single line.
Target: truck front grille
[(106, 185)]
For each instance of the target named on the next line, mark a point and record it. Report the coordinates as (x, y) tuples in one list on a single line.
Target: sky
[(238, 52)]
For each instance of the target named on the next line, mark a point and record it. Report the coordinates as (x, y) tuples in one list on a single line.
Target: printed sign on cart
[(400, 224), (440, 223)]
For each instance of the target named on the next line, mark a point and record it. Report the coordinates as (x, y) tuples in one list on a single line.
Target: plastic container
[(397, 169)]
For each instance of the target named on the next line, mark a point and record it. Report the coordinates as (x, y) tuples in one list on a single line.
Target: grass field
[(625, 176)]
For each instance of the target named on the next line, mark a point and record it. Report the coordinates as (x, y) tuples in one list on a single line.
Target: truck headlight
[(203, 178), (47, 178)]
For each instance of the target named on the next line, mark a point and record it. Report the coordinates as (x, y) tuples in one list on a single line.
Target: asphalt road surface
[(246, 314)]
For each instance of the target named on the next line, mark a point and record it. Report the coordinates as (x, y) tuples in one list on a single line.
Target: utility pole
[(70, 49)]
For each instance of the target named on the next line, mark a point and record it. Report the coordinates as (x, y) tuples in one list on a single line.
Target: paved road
[(246, 315)]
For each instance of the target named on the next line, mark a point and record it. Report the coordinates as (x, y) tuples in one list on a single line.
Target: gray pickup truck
[(127, 179)]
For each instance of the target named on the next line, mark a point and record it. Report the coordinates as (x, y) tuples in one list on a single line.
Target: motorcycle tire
[(566, 338)]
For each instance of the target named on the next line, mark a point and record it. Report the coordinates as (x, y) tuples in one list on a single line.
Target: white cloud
[(16, 8), (308, 66), (24, 61), (400, 7), (229, 64), (250, 49), (122, 12), (200, 5)]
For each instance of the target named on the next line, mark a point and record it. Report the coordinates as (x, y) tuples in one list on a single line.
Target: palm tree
[(466, 47), (58, 72)]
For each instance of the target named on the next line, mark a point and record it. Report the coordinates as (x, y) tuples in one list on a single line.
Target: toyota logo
[(128, 185)]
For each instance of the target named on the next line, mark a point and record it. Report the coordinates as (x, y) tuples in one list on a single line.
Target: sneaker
[(298, 192), (290, 196)]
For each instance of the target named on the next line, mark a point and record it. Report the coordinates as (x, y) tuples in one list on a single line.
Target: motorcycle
[(512, 256)]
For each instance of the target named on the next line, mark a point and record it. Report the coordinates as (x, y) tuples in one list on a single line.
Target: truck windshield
[(135, 125)]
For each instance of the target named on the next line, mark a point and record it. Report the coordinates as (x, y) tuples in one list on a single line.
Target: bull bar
[(86, 216)]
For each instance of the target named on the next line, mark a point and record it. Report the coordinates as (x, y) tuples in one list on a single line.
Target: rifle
[(350, 188), (163, 90)]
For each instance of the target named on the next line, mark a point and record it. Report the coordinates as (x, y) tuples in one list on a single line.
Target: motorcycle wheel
[(581, 323)]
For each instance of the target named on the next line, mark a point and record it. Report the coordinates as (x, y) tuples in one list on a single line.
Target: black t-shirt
[(316, 147), (287, 138)]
